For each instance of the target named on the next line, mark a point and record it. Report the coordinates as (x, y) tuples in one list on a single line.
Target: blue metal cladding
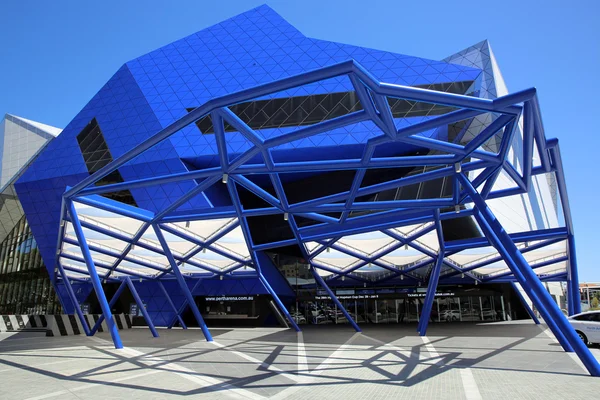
[(258, 47), (154, 90)]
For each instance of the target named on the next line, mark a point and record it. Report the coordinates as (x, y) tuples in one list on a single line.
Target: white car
[(451, 315), (299, 318), (587, 326)]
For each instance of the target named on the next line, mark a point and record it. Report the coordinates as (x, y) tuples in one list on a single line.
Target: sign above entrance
[(230, 298)]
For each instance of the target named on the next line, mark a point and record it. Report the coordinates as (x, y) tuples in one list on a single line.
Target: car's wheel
[(582, 337)]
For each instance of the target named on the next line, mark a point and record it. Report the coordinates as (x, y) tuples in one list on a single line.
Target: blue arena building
[(250, 175)]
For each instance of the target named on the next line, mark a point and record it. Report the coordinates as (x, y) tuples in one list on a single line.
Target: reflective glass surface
[(25, 287), (96, 155), (308, 110)]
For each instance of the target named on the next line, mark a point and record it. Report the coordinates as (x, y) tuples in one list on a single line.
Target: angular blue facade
[(198, 169), (152, 91)]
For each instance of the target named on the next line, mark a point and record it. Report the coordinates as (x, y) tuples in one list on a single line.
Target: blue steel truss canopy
[(355, 240), (249, 137), (471, 170), (122, 245)]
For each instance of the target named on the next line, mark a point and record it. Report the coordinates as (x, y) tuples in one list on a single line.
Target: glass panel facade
[(390, 304), (309, 110), (288, 111), (25, 287), (96, 155), (388, 308)]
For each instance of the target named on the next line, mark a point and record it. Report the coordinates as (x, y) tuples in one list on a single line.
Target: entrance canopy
[(122, 245)]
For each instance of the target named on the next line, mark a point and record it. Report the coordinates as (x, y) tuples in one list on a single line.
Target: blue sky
[(56, 55)]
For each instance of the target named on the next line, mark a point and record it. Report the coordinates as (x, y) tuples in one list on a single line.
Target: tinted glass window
[(288, 111), (584, 317), (25, 287), (97, 155), (309, 110), (595, 317)]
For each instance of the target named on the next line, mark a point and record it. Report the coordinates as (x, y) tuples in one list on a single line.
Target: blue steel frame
[(182, 284), (73, 299), (127, 283), (456, 162), (433, 279), (89, 262), (177, 313)]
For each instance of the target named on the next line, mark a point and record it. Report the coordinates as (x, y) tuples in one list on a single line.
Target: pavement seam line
[(432, 351), (302, 360), (466, 375), (187, 373), (316, 372), (263, 364), (90, 385), (469, 384), (191, 375)]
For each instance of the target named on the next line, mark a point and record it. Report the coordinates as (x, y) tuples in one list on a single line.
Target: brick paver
[(456, 361)]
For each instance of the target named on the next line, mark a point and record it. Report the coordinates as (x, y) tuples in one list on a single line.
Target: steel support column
[(280, 304), (111, 303), (532, 296), (128, 283), (89, 262), (140, 303), (574, 301), (183, 306), (233, 193), (434, 278), (182, 283), (573, 294), (334, 298), (301, 245), (177, 316), (525, 304), (527, 278), (73, 298)]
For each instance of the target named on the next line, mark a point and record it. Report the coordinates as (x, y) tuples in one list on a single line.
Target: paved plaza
[(514, 360)]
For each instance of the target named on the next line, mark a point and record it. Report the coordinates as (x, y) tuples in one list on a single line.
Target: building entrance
[(373, 309)]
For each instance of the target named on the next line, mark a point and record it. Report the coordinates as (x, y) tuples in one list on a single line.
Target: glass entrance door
[(387, 312), (449, 309)]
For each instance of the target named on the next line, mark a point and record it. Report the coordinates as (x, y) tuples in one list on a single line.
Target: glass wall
[(389, 305), (25, 287), (96, 155), (280, 112), (388, 308)]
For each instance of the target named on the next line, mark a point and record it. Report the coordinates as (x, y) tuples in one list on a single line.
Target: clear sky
[(55, 55)]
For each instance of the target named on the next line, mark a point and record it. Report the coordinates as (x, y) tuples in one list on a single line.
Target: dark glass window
[(594, 317), (288, 111), (309, 110), (93, 147), (24, 282), (97, 155)]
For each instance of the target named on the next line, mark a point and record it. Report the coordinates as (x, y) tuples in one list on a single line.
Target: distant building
[(25, 287), (589, 291)]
